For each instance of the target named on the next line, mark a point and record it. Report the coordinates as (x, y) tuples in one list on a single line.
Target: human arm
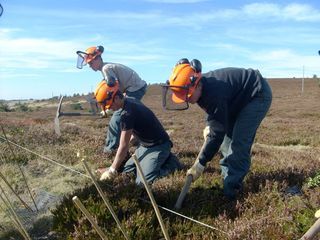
[(121, 154), (122, 149), (213, 137), (109, 75)]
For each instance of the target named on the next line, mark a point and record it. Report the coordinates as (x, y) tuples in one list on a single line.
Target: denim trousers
[(113, 132), (156, 162), (236, 149)]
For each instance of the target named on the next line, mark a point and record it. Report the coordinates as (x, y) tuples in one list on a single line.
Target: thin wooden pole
[(313, 231), (26, 235), (89, 217), (23, 175), (8, 184), (16, 224), (154, 204), (105, 199)]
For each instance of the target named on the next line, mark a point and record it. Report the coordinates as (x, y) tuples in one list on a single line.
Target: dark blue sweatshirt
[(224, 93)]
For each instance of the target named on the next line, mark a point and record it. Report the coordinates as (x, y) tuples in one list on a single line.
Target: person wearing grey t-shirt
[(130, 84)]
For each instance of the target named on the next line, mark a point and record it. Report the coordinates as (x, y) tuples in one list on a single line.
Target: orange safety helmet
[(87, 56), (105, 93), (92, 53), (184, 79)]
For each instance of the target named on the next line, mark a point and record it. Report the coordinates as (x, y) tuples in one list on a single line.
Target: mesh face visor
[(81, 59), (167, 101)]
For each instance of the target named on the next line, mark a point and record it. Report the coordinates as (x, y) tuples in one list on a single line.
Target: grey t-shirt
[(128, 79)]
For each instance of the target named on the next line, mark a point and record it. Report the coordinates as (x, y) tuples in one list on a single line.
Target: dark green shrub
[(76, 106), (22, 107), (4, 107)]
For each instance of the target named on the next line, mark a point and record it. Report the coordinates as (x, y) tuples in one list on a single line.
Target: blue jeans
[(156, 162), (113, 132), (236, 148)]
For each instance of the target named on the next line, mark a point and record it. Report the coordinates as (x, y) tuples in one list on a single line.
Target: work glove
[(206, 131), (106, 113), (196, 170), (110, 173), (103, 114)]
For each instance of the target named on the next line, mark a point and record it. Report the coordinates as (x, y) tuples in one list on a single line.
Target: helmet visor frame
[(173, 99), (81, 59)]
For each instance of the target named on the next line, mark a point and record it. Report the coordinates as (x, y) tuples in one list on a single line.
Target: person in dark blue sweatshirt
[(137, 121), (236, 101)]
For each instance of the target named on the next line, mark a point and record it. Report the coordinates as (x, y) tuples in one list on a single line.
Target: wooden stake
[(154, 204), (89, 217), (15, 223), (313, 231), (22, 173), (105, 199), (8, 184), (21, 228)]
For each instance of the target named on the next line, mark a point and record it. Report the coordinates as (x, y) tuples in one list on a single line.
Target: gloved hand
[(109, 112), (103, 114), (106, 113), (196, 170), (206, 131), (110, 173)]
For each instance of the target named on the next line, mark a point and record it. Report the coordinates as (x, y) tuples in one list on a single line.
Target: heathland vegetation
[(281, 194)]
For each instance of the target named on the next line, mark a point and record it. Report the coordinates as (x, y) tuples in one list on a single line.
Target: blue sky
[(38, 40)]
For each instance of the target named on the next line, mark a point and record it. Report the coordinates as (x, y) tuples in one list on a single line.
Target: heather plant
[(280, 195)]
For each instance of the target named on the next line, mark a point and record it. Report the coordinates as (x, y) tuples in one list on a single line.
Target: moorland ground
[(280, 196)]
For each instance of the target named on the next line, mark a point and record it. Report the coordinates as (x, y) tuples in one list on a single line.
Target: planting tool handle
[(188, 182), (183, 192), (70, 114), (88, 216)]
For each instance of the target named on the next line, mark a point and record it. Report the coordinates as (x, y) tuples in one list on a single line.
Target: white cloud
[(285, 63), (301, 12), (297, 12), (261, 9), (32, 53)]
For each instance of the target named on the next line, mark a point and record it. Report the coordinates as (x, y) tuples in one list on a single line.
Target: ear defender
[(183, 61), (111, 81), (193, 79), (196, 65), (100, 49)]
